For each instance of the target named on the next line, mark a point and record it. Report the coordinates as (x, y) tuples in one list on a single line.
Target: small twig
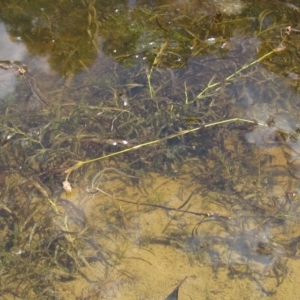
[(211, 215)]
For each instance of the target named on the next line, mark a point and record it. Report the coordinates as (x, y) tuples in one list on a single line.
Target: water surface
[(149, 143)]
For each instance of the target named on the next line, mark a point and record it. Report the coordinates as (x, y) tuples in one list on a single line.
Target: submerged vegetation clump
[(197, 96)]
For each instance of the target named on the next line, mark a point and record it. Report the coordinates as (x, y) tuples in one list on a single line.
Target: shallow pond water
[(149, 149)]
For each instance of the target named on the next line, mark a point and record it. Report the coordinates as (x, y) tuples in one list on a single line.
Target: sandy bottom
[(150, 263)]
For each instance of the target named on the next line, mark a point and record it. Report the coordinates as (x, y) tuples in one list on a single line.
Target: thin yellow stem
[(180, 133), (210, 86)]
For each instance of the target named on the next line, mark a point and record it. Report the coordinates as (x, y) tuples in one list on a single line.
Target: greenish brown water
[(146, 144)]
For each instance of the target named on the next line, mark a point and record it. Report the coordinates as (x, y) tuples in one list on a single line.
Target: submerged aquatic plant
[(112, 127)]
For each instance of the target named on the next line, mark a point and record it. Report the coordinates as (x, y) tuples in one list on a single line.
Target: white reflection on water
[(9, 51)]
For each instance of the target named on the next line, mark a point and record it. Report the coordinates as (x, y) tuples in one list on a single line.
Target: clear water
[(149, 149)]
